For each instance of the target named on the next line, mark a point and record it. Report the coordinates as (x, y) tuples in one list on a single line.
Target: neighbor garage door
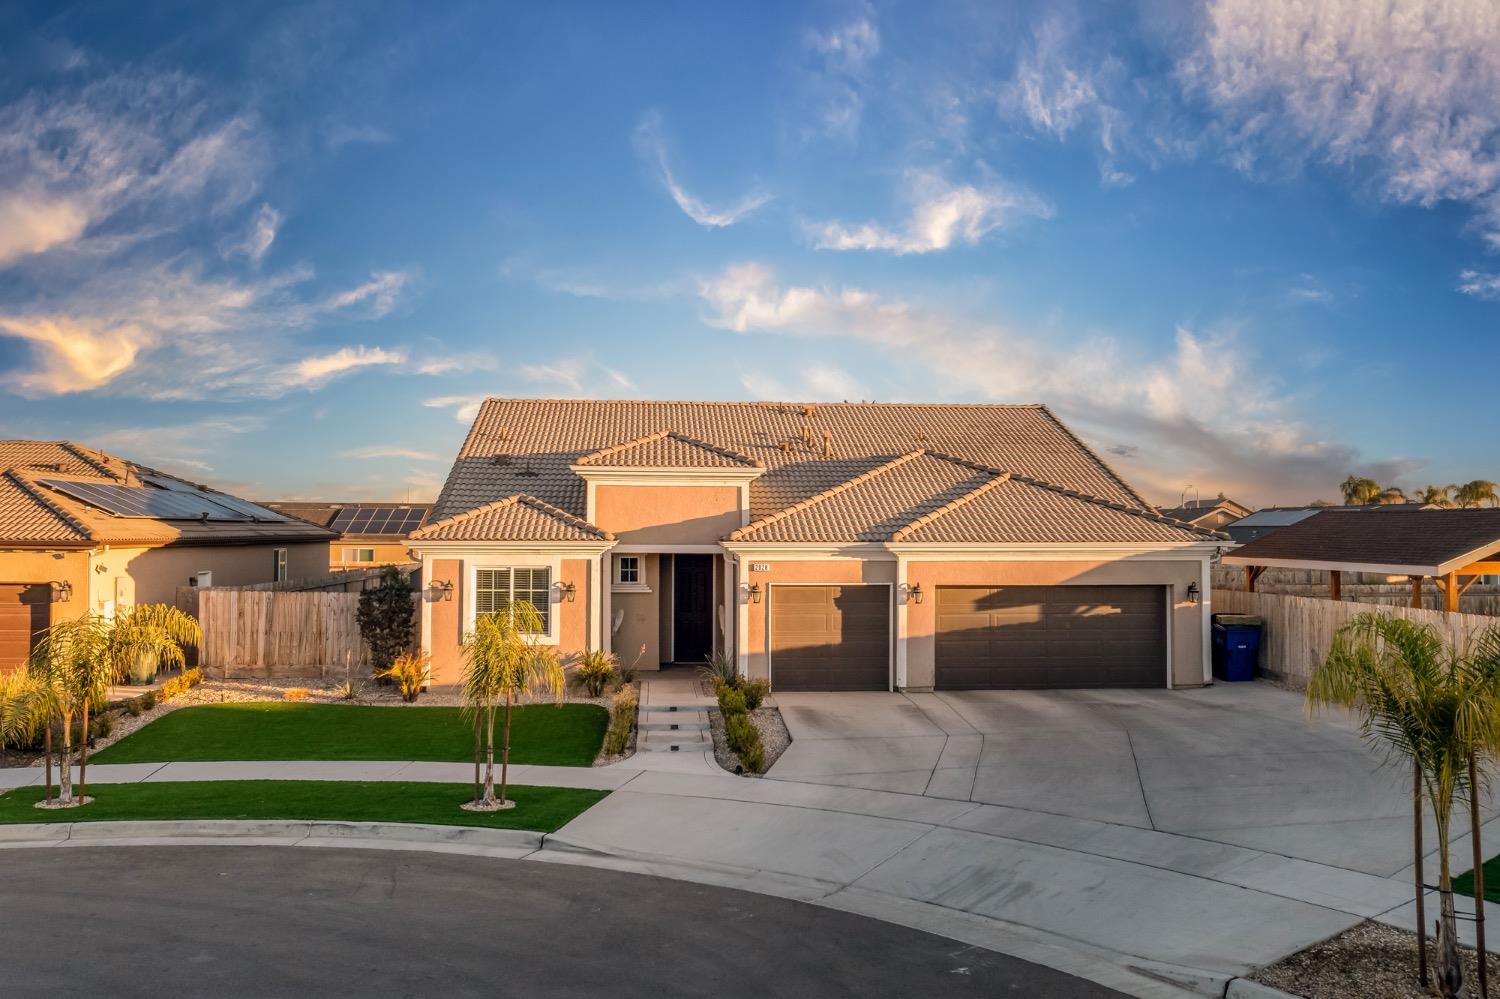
[(24, 609), (830, 637), (996, 637)]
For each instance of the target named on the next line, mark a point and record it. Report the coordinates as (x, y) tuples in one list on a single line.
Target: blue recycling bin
[(1236, 647)]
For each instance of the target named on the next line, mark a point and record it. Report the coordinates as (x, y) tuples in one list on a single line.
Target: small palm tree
[(153, 634), (502, 659), (1359, 491), (1437, 495), (21, 707), (1477, 493), (68, 660), (1424, 702)]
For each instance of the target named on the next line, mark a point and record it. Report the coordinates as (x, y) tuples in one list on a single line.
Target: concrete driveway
[(1234, 764)]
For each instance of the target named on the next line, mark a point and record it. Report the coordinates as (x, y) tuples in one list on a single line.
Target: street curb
[(1243, 988), (1134, 976)]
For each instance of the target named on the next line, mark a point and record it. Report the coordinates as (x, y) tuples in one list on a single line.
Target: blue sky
[(1247, 245)]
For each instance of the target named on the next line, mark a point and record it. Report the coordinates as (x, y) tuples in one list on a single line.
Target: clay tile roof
[(926, 498), (667, 449), (513, 518), (35, 514), (527, 446)]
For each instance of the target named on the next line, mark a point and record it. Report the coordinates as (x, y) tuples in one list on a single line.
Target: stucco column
[(606, 613), (741, 617), (592, 606), (900, 623)]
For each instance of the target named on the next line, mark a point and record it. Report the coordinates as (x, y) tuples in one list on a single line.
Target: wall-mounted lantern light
[(62, 591), (568, 590), (914, 592), (754, 593), (1193, 593), (443, 589)]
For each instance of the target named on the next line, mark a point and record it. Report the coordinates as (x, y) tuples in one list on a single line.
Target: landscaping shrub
[(180, 684), (731, 702), (754, 692), (593, 671), (720, 668), (409, 673), (148, 700), (135, 707), (622, 717), (294, 694), (101, 726), (385, 619), (744, 738)]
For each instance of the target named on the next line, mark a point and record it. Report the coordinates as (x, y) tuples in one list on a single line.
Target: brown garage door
[(24, 609), (1002, 637), (830, 637)]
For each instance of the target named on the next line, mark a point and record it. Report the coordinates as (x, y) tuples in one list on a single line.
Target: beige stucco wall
[(667, 515), (152, 575), (1186, 623), (446, 622), (643, 619), (827, 571), (45, 568), (397, 553)]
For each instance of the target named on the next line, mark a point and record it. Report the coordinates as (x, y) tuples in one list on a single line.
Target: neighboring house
[(1210, 513), (82, 531), (369, 534), (836, 546), (1272, 518)]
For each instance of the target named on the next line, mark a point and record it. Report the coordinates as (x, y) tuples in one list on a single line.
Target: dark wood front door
[(692, 608)]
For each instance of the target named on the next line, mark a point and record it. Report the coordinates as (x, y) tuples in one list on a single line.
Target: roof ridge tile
[(540, 505), (24, 483), (950, 506), (596, 456)]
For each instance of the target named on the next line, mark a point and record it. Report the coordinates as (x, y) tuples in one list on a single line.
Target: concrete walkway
[(1243, 863)]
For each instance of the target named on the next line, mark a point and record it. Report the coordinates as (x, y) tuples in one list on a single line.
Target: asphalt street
[(229, 922)]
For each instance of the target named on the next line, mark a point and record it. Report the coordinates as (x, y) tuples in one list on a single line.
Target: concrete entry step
[(677, 746), (674, 709), (688, 724)]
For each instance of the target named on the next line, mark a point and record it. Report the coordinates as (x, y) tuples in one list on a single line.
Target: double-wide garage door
[(1015, 637), (830, 637), (24, 609)]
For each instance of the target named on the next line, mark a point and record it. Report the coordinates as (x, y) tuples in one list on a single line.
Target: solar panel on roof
[(148, 502)]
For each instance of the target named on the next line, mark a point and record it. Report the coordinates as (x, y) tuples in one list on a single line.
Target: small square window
[(629, 568), (359, 554), (280, 565)]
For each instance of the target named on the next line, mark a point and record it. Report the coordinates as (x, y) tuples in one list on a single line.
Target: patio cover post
[(1450, 593), (1335, 584), (1416, 592)]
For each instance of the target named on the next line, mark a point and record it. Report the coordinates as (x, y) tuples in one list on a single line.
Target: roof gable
[(529, 446), (513, 518)]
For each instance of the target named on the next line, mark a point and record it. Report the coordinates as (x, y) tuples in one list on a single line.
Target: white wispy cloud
[(377, 451), (381, 292), (447, 364), (1480, 284), (652, 147), (319, 369), (263, 228), (1249, 439), (835, 77), (814, 383), (465, 407), (1412, 92), (184, 447), (942, 214)]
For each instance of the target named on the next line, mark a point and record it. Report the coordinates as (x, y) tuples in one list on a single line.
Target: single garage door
[(1030, 637), (830, 637), (24, 609)]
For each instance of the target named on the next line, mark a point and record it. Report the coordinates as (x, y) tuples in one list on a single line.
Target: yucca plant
[(409, 672), (720, 669), (1424, 702), (593, 670), (501, 660)]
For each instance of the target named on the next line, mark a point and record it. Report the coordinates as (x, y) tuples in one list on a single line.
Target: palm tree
[(1390, 494), (1424, 702), (1359, 491), (21, 707), (502, 659), (1437, 495), (1477, 493), (67, 660)]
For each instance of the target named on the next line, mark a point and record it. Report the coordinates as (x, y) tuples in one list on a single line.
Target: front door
[(693, 608)]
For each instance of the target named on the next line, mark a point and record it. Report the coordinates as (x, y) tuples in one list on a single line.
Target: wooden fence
[(263, 634), (1298, 631)]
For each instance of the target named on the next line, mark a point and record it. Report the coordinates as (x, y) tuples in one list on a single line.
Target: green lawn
[(540, 809), (559, 735), (1463, 884)]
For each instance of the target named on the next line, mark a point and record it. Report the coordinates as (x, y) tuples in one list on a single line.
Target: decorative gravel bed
[(773, 736), (1371, 961)]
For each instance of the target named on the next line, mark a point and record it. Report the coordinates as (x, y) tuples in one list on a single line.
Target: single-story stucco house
[(84, 531), (848, 546)]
